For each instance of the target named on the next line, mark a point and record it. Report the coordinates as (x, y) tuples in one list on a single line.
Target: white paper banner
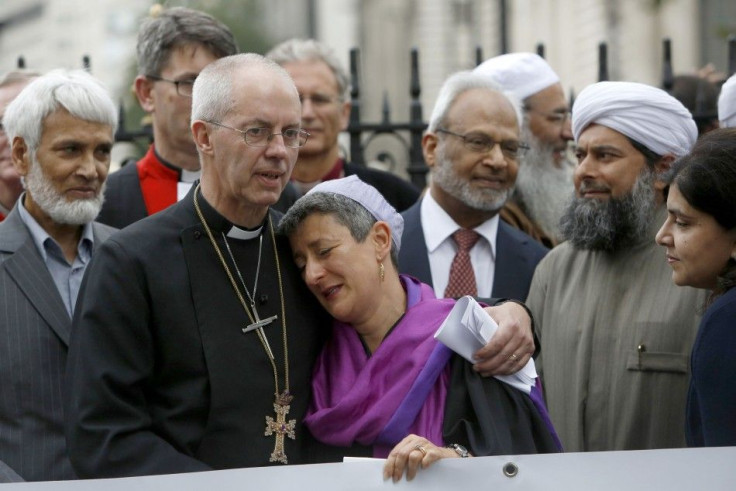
[(711, 469)]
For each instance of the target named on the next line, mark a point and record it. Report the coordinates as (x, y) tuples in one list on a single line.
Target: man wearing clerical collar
[(61, 129), (195, 336), (173, 47)]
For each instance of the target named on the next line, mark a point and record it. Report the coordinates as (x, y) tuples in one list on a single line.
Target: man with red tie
[(453, 238)]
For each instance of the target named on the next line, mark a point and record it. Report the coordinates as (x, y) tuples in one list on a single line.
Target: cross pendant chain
[(280, 427)]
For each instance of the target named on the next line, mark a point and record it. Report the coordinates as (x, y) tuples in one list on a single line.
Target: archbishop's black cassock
[(161, 378)]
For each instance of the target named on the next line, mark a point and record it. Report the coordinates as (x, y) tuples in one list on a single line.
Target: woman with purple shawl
[(383, 386)]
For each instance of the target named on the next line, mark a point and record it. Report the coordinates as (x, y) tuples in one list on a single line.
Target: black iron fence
[(410, 133)]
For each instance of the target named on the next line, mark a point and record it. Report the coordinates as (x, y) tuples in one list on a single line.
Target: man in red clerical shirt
[(174, 45)]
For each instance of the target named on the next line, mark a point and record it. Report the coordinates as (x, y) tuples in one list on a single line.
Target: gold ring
[(421, 449), (513, 357)]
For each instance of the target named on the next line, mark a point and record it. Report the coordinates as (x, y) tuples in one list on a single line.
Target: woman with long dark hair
[(700, 237)]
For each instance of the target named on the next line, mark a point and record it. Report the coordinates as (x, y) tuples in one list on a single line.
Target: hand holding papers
[(468, 328)]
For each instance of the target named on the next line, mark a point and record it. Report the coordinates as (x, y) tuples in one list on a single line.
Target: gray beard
[(615, 224), (542, 188), (61, 211), (444, 176)]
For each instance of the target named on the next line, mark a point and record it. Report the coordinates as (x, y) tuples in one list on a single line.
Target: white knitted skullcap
[(523, 74)]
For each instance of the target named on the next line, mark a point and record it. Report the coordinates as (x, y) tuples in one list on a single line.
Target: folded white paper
[(468, 328)]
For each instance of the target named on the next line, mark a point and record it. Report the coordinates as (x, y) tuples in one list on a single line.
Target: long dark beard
[(614, 224)]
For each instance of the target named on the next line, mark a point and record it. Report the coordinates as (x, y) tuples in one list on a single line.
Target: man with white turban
[(615, 331), (545, 173), (727, 104)]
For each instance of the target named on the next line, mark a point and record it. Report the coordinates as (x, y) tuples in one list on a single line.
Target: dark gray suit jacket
[(517, 256), (34, 334)]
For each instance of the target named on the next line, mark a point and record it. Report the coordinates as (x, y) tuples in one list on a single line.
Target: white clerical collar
[(244, 234), (189, 175)]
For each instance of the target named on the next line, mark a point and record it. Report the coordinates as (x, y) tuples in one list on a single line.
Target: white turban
[(727, 104), (522, 74), (645, 114)]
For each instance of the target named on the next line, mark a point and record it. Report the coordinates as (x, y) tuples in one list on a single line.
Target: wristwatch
[(459, 449)]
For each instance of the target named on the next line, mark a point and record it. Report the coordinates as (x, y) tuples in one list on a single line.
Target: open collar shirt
[(67, 277)]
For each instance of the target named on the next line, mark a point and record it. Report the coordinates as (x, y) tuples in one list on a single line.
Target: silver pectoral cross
[(259, 322), (258, 326)]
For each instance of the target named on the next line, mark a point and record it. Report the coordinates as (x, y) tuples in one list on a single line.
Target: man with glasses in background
[(453, 238), (322, 84), (173, 47), (544, 183)]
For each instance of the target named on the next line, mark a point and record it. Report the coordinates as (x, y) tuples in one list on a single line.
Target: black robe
[(161, 378), (483, 414)]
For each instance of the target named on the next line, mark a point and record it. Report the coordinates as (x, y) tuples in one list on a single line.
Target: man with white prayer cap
[(727, 104), (545, 172), (615, 331)]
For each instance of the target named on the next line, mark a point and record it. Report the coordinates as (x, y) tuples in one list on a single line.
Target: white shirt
[(438, 228), (186, 179)]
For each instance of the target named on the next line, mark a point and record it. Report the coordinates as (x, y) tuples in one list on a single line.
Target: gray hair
[(74, 90), (349, 213), (172, 28), (212, 96), (295, 50), (459, 83), (17, 77)]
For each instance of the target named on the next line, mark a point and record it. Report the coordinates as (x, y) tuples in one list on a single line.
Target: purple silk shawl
[(400, 389)]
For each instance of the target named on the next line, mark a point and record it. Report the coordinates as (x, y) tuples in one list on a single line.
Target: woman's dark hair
[(706, 178)]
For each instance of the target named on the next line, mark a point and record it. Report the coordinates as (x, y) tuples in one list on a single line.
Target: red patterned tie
[(462, 278)]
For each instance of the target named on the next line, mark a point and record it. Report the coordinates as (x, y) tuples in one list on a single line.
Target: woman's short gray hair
[(74, 90), (349, 213)]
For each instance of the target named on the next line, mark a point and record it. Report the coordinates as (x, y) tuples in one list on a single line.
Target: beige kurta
[(616, 335)]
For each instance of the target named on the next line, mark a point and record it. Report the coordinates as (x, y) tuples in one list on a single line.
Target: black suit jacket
[(517, 256), (123, 198), (161, 377)]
